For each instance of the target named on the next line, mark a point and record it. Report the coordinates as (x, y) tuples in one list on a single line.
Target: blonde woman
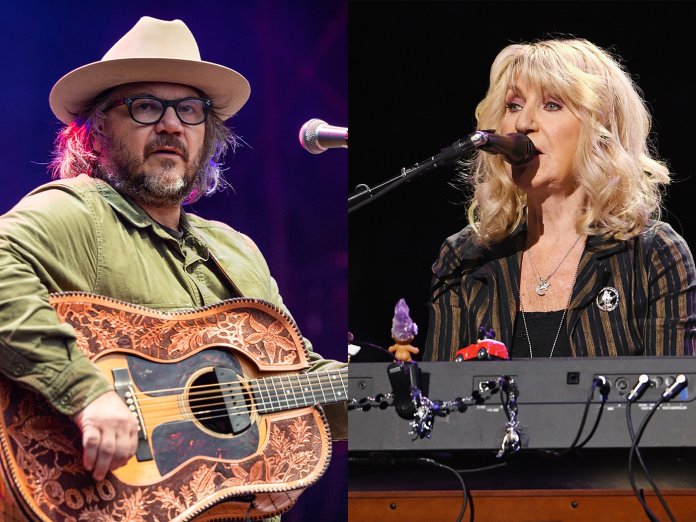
[(564, 255)]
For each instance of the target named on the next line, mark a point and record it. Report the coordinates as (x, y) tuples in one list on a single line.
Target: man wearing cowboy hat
[(144, 132)]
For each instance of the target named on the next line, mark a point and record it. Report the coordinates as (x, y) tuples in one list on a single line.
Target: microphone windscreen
[(309, 136), (516, 148), (522, 149)]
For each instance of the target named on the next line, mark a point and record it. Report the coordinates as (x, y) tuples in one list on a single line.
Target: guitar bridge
[(124, 387)]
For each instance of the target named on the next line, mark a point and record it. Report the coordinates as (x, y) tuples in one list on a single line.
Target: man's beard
[(160, 188)]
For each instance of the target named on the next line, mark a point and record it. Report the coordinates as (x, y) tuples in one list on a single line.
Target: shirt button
[(19, 368), (65, 399)]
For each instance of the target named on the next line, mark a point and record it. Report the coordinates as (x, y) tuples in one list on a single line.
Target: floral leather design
[(41, 448)]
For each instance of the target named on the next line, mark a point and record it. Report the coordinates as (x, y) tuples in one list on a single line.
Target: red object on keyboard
[(485, 349)]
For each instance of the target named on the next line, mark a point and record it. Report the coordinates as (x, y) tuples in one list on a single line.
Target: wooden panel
[(516, 506)]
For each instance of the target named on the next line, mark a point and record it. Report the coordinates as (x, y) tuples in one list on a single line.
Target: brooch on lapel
[(608, 299)]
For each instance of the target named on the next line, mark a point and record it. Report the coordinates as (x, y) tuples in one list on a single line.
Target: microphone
[(316, 136), (516, 148)]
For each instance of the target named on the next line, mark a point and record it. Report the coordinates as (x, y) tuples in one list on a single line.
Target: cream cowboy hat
[(152, 51)]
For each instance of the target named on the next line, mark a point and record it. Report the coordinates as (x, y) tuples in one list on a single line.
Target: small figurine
[(485, 348), (403, 331)]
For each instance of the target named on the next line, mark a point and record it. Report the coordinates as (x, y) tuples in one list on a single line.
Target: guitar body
[(206, 448)]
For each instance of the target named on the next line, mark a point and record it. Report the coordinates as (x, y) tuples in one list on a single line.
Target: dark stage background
[(417, 71), (292, 203)]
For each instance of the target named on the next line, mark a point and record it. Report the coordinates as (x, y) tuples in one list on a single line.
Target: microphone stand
[(363, 194)]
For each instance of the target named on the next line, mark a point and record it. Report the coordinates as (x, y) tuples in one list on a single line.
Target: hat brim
[(227, 89)]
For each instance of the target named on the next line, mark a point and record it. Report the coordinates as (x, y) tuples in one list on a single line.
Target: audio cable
[(636, 393), (604, 387)]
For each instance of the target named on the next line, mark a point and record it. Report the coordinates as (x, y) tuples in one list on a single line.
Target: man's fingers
[(125, 449), (102, 454), (90, 446), (133, 442), (105, 457), (109, 434)]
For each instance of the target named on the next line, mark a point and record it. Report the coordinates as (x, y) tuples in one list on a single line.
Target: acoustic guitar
[(229, 423)]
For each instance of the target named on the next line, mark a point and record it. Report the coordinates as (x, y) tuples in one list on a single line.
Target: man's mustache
[(167, 141)]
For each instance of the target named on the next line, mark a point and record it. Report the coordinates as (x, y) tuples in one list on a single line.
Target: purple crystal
[(403, 328)]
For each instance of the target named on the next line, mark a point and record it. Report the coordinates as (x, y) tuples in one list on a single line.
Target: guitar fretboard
[(286, 392)]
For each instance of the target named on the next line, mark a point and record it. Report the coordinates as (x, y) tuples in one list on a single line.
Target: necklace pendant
[(542, 287)]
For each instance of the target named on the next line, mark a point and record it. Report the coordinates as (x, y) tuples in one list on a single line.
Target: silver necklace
[(544, 284), (565, 311)]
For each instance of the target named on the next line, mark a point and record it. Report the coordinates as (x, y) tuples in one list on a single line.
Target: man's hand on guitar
[(109, 434)]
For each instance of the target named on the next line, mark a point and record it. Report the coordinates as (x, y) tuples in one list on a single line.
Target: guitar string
[(280, 390), (236, 411), (321, 375), (277, 396), (276, 399), (240, 410), (223, 413)]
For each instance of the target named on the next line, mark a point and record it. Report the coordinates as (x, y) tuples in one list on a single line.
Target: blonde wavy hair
[(615, 167)]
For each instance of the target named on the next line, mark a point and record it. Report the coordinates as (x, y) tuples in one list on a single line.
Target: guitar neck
[(299, 390)]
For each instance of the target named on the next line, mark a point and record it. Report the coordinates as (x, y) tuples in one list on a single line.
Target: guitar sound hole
[(221, 413)]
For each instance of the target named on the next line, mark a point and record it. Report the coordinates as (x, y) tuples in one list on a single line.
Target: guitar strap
[(216, 267), (225, 276)]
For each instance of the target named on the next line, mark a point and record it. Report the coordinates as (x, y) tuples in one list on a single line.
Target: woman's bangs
[(535, 73)]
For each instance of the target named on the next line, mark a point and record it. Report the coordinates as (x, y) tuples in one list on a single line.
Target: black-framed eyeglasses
[(149, 109)]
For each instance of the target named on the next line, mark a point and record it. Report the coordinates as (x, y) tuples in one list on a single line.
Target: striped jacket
[(653, 273)]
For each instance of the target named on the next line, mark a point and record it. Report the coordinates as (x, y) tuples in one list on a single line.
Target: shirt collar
[(130, 210)]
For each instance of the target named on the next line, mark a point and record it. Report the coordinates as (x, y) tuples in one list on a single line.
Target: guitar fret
[(256, 397), (265, 408), (331, 378), (286, 392), (343, 394), (263, 402), (281, 394), (278, 394), (320, 387), (315, 400), (305, 400), (289, 390), (278, 406)]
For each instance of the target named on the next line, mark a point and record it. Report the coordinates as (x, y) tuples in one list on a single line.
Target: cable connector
[(604, 386), (639, 389), (677, 386)]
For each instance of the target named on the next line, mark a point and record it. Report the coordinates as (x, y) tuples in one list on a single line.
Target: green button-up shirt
[(82, 235)]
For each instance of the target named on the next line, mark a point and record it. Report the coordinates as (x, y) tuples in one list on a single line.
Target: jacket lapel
[(594, 272), (501, 279)]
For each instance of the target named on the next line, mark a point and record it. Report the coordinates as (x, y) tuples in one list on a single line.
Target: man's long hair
[(73, 153)]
